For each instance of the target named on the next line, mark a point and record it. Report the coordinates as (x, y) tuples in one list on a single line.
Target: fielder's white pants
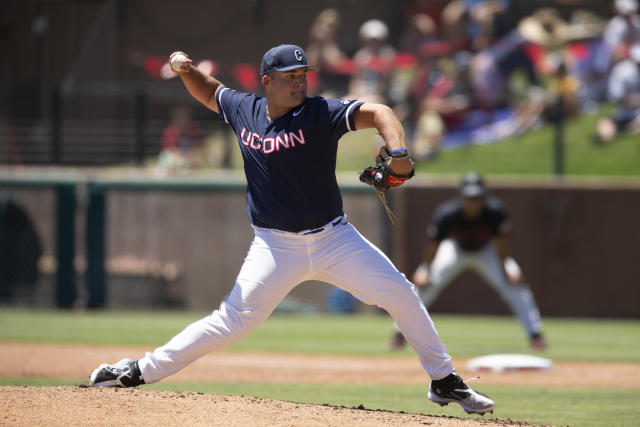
[(277, 261), (451, 260)]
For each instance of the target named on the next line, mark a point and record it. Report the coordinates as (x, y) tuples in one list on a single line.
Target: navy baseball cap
[(284, 58), (472, 185)]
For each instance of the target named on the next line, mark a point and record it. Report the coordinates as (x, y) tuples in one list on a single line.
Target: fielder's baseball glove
[(390, 170)]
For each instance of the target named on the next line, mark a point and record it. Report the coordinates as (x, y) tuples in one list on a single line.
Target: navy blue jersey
[(449, 222), (289, 163)]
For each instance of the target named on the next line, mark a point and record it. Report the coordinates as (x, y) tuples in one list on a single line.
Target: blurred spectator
[(446, 105), (324, 51), (373, 63), (623, 29), (588, 58), (419, 29), (422, 41), (624, 91), (474, 24), (408, 87), (493, 67), (535, 47), (495, 93), (431, 8), (486, 107), (179, 140), (565, 88)]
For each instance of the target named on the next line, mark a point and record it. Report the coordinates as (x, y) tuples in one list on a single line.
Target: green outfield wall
[(138, 242), (578, 246)]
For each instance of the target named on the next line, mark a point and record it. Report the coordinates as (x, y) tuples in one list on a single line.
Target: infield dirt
[(77, 405), (65, 406)]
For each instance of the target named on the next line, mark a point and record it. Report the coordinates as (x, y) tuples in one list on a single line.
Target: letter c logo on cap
[(298, 54)]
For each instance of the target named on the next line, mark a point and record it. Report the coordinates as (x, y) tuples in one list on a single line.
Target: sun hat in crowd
[(545, 27), (626, 7)]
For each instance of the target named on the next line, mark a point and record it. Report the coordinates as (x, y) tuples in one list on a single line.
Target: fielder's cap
[(585, 25), (544, 27), (472, 185), (285, 57)]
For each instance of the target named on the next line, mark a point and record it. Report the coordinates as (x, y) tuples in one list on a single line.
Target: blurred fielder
[(289, 145), (470, 232)]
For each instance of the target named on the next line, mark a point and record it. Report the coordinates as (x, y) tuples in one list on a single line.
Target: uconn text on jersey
[(270, 144)]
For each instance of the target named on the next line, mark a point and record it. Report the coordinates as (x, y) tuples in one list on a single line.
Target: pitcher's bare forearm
[(381, 117), (201, 86)]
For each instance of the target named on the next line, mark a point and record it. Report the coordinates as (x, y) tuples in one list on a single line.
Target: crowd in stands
[(463, 73), (467, 72)]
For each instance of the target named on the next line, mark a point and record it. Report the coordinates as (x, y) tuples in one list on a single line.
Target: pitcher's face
[(287, 89)]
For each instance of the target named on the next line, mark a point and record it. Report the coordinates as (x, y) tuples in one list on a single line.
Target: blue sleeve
[(341, 115), (229, 101)]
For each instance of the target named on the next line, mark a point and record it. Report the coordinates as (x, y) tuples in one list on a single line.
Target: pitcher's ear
[(265, 79)]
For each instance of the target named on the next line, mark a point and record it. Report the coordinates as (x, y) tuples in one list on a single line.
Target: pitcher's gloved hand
[(391, 169)]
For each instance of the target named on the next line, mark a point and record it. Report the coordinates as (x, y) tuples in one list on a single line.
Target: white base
[(508, 362)]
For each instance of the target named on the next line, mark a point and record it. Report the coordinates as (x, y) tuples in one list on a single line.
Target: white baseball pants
[(277, 261), (451, 260)]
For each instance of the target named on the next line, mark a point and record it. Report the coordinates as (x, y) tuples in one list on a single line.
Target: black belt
[(317, 230)]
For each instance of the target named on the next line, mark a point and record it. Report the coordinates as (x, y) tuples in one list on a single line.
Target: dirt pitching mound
[(81, 405)]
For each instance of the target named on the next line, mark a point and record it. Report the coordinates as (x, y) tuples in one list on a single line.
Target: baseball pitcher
[(289, 146)]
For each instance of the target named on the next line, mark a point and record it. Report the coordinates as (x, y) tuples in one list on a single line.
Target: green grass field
[(527, 155), (465, 336)]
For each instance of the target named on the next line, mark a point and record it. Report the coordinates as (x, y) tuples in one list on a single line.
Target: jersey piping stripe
[(346, 114), (224, 115)]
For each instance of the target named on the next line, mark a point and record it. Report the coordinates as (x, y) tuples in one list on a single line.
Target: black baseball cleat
[(125, 373), (452, 389)]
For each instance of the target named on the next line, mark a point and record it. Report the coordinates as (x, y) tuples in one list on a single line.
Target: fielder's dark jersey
[(449, 222), (289, 163)]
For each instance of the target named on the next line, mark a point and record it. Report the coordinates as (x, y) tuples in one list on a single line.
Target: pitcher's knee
[(236, 323)]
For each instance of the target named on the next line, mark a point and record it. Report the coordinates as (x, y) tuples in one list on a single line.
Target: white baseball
[(177, 61)]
